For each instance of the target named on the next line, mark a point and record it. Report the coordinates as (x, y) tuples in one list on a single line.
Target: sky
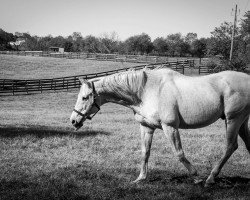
[(157, 18)]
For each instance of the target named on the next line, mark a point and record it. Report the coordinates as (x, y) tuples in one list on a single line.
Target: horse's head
[(87, 104)]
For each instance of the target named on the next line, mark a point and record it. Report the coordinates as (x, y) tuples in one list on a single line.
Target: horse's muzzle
[(77, 125), (76, 122)]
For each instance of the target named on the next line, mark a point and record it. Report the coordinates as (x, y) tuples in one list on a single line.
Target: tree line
[(172, 45)]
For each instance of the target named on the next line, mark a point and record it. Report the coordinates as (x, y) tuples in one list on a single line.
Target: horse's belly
[(197, 124), (200, 115)]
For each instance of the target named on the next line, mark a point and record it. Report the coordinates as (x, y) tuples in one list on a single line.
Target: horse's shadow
[(46, 131), (220, 182), (230, 182)]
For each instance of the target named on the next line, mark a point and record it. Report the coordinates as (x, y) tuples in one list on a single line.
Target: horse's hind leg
[(245, 134), (231, 145)]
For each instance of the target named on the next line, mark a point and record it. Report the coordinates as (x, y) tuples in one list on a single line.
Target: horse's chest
[(148, 115), (147, 121)]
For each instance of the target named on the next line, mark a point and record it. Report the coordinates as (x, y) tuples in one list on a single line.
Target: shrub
[(213, 63)]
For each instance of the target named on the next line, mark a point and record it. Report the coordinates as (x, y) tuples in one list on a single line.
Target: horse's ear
[(82, 80)]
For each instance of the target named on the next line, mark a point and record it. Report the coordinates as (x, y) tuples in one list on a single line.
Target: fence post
[(55, 86), (41, 87), (26, 84), (13, 88), (3, 83), (52, 84)]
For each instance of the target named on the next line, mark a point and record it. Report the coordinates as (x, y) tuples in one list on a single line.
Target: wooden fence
[(101, 57), (14, 87), (203, 70)]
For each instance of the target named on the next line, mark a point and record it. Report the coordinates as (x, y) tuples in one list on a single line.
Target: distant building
[(19, 44), (56, 49)]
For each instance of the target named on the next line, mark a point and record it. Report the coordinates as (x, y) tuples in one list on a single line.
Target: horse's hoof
[(209, 182), (209, 185), (139, 180), (197, 181)]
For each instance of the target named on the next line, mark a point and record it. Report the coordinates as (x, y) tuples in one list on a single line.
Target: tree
[(77, 41), (58, 41), (44, 43), (76, 36), (26, 42), (121, 47), (5, 39), (109, 42), (160, 45), (68, 46), (139, 44), (220, 41), (244, 48), (177, 46), (199, 47), (190, 38), (245, 24), (91, 44)]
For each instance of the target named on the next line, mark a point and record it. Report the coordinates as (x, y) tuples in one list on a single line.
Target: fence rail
[(203, 70), (99, 56), (14, 86)]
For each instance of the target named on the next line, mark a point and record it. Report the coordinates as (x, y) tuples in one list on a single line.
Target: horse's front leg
[(173, 134), (146, 141)]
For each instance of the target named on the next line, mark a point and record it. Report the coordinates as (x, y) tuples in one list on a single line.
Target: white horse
[(168, 100)]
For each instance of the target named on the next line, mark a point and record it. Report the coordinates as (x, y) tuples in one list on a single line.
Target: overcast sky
[(158, 18)]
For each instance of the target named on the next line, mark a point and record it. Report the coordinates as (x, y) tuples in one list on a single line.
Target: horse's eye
[(84, 98)]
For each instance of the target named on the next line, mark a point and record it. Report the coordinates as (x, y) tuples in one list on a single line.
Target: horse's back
[(202, 100)]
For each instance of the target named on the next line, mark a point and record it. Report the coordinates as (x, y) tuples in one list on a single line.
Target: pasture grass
[(42, 157), (30, 67)]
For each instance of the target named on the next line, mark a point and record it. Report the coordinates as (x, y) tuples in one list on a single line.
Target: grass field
[(28, 67), (41, 157)]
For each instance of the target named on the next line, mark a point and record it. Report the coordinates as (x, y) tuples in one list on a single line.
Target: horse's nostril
[(73, 122)]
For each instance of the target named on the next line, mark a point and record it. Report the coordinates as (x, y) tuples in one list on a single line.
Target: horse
[(167, 100)]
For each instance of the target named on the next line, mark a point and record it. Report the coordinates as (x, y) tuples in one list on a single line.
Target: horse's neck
[(109, 93)]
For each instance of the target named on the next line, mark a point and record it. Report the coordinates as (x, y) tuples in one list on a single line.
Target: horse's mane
[(128, 85)]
